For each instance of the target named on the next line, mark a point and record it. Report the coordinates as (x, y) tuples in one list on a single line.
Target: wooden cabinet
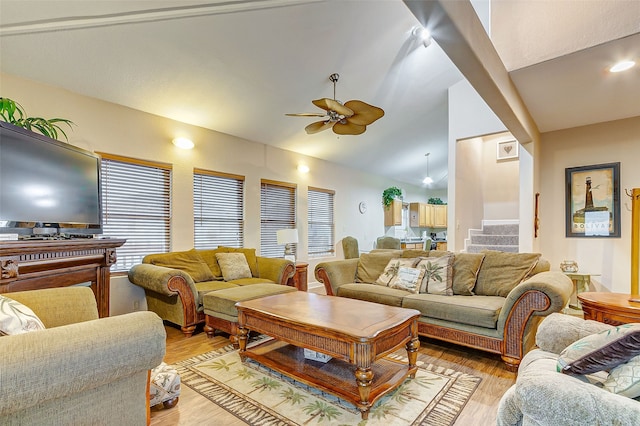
[(422, 215), (393, 214)]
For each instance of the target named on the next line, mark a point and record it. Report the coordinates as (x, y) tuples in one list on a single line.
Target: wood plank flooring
[(195, 410)]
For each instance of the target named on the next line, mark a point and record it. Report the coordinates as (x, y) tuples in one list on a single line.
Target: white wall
[(106, 127), (615, 141)]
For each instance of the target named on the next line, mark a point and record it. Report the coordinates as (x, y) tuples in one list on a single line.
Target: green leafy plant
[(12, 112), (435, 201), (390, 194)]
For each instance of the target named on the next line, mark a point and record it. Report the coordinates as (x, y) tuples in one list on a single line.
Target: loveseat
[(492, 301), (175, 282), (79, 370), (544, 396)]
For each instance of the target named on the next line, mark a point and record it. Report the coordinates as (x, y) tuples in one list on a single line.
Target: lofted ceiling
[(238, 66)]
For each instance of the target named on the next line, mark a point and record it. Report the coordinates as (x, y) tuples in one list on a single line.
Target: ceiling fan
[(352, 118)]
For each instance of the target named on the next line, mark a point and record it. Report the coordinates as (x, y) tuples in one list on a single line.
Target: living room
[(108, 127)]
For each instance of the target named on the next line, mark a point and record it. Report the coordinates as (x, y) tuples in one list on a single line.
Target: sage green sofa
[(497, 303), (175, 282), (544, 396), (80, 370)]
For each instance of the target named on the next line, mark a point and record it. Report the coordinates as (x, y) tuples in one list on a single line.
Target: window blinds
[(320, 222), (277, 211), (218, 209), (136, 206)]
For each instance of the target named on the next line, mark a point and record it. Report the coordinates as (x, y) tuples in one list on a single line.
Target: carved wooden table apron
[(610, 308), (36, 264), (353, 332)]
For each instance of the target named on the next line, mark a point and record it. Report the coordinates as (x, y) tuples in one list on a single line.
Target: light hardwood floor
[(193, 409)]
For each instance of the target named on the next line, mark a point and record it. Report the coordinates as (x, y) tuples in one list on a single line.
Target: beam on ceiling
[(455, 26)]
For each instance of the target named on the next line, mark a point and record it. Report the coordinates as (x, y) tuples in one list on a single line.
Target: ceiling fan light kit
[(350, 118)]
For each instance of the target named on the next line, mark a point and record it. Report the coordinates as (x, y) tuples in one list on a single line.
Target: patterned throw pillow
[(407, 279), (625, 379), (16, 318), (438, 275), (601, 351), (391, 270), (234, 266)]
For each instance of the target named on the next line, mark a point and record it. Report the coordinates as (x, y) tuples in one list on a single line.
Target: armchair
[(81, 369), (388, 243)]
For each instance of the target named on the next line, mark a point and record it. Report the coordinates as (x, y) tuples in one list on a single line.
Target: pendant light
[(427, 180)]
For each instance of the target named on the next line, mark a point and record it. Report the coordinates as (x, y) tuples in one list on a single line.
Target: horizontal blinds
[(218, 209), (136, 206), (277, 211), (321, 226)]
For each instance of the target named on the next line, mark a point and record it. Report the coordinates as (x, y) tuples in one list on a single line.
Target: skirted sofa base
[(504, 325)]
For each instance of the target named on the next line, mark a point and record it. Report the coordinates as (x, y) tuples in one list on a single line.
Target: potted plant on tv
[(12, 112)]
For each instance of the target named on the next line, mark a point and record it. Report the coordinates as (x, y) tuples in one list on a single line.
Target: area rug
[(260, 396)]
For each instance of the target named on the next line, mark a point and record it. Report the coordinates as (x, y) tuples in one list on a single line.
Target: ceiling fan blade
[(349, 129), (333, 105), (318, 126), (363, 113), (307, 114)]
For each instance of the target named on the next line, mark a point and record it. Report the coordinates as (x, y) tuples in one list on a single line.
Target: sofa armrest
[(557, 331), (335, 273), (59, 306), (43, 365), (275, 269), (162, 280)]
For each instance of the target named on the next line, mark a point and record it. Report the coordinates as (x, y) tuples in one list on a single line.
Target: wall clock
[(362, 207)]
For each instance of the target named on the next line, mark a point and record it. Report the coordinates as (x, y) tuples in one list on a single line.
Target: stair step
[(477, 248), (509, 240), (501, 229)]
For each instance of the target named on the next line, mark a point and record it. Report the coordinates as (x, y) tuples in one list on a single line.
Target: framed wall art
[(593, 201), (507, 150)]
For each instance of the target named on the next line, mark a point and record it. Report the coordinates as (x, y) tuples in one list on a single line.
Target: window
[(218, 209), (136, 205), (277, 211), (320, 218)]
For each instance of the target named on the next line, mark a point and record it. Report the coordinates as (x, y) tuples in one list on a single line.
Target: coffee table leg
[(412, 353), (364, 378), (243, 337)]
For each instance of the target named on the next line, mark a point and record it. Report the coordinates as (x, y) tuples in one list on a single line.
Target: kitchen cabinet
[(422, 215), (393, 214)]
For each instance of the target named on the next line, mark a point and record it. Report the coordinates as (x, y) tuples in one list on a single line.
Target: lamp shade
[(287, 236)]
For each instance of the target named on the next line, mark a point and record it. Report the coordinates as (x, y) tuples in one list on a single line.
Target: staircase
[(494, 235)]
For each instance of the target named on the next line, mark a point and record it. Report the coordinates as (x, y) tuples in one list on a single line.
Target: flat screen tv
[(47, 186)]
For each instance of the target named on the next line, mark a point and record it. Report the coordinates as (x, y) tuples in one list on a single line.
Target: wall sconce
[(183, 143), (288, 237), (303, 168)]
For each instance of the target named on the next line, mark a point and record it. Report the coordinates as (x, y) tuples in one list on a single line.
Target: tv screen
[(47, 183)]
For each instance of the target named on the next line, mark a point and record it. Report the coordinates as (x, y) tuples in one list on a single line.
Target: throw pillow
[(16, 318), (465, 270), (188, 261), (249, 253), (233, 265), (601, 351), (209, 257), (371, 265), (625, 379), (391, 270), (500, 272), (438, 275), (407, 279)]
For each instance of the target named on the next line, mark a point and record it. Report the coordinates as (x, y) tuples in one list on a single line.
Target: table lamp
[(288, 237)]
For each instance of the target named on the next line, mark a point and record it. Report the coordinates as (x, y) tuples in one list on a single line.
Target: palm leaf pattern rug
[(260, 396)]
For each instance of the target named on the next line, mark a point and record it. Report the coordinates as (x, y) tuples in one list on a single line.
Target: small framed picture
[(507, 150), (593, 201)]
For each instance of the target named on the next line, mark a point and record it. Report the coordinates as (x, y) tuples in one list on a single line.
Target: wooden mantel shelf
[(36, 264)]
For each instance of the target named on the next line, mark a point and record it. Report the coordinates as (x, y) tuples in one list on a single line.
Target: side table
[(581, 284), (609, 308), (299, 279)]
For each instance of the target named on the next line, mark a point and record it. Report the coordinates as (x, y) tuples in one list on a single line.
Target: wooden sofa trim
[(321, 276), (191, 316), (288, 273)]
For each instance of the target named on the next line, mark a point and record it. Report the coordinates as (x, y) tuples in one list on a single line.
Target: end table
[(299, 279)]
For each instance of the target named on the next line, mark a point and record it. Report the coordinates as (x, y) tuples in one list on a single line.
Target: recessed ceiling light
[(622, 66), (183, 143)]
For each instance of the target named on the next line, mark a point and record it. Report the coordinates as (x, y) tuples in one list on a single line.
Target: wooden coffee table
[(610, 308), (354, 333)]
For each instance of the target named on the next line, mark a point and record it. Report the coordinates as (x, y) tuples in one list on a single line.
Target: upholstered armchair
[(175, 282), (80, 369)]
